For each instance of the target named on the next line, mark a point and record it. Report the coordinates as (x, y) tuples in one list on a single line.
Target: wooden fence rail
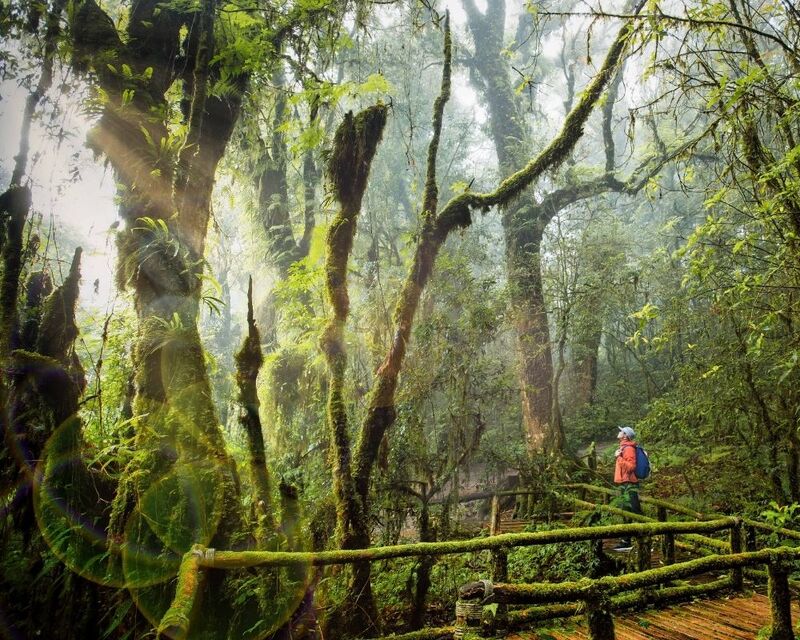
[(598, 596)]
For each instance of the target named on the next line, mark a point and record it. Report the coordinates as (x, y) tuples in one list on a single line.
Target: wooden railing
[(598, 598)]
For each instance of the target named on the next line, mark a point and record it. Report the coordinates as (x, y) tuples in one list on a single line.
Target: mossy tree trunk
[(165, 204), (526, 218), (22, 443), (165, 186), (523, 228), (352, 488), (248, 363), (355, 143)]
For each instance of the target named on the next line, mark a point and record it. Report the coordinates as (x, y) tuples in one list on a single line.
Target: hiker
[(625, 478)]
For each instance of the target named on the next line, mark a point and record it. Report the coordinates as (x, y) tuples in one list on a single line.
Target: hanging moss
[(58, 328), (38, 286), (354, 145)]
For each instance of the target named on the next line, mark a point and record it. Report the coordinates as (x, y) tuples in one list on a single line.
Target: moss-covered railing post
[(736, 547), (469, 609), (780, 597), (667, 540), (499, 565), (643, 559), (598, 614)]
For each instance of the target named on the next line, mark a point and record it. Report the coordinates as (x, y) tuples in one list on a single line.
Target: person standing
[(625, 477)]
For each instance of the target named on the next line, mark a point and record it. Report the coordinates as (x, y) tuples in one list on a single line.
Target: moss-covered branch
[(718, 545), (633, 600), (381, 410), (243, 559), (678, 508), (355, 143), (431, 197), (560, 147), (175, 623)]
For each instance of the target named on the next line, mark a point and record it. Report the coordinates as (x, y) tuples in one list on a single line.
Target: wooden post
[(499, 565), (643, 560), (600, 559), (591, 464), (667, 540), (736, 547), (469, 610), (468, 619), (530, 502), (780, 600), (750, 538), (598, 617)]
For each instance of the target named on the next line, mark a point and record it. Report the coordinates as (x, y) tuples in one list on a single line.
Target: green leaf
[(119, 616), (376, 83)]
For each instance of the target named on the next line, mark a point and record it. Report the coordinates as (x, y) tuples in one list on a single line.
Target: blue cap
[(629, 433)]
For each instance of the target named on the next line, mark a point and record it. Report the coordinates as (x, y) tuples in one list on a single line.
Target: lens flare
[(65, 499)]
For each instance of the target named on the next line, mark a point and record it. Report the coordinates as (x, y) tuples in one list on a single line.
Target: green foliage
[(551, 562)]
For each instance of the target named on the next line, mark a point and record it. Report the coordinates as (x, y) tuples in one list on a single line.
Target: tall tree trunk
[(523, 230), (587, 350), (248, 363), (355, 144)]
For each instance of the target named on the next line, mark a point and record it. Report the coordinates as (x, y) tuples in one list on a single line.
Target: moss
[(440, 633), (175, 623), (354, 145), (232, 559), (58, 330), (248, 363)]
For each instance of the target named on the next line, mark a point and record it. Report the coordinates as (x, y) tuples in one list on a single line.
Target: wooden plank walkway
[(736, 618)]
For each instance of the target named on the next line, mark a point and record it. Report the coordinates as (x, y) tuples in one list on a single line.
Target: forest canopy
[(299, 275)]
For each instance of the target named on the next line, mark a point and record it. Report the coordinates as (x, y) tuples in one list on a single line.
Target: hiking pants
[(629, 492)]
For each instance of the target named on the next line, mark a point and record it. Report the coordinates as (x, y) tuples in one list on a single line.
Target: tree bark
[(355, 143), (523, 231)]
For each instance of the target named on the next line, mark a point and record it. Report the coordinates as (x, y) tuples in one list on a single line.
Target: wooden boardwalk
[(736, 618)]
